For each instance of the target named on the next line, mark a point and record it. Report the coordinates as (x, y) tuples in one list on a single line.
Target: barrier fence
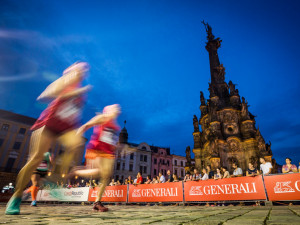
[(283, 187)]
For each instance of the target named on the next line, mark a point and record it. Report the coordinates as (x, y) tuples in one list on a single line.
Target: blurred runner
[(37, 175), (57, 122), (101, 149)]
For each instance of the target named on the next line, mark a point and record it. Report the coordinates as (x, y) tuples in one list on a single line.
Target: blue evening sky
[(150, 57)]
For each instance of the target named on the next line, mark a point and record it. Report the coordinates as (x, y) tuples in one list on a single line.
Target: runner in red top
[(58, 122), (101, 149)]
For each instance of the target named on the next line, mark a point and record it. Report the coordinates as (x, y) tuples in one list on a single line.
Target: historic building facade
[(228, 133), (179, 163), (15, 136), (161, 161)]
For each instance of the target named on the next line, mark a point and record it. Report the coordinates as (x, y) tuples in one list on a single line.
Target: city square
[(149, 112)]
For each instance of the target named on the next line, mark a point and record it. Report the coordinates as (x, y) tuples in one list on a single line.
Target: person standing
[(170, 177), (251, 171), (288, 167), (265, 167), (237, 172)]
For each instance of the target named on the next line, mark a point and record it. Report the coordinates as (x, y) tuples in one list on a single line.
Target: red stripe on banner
[(238, 188), (111, 194), (166, 192), (283, 187)]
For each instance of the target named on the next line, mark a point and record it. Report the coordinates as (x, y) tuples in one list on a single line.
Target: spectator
[(162, 178), (265, 167), (170, 177), (226, 174), (209, 172), (126, 181), (130, 181), (175, 178), (148, 181), (154, 180), (139, 178), (187, 177), (288, 167), (237, 172), (196, 175), (118, 183), (112, 183), (205, 174), (218, 174), (251, 171)]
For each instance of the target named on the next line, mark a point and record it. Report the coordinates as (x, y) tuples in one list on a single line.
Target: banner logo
[(283, 187), (195, 190)]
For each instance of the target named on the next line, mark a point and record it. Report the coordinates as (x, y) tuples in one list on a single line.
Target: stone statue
[(268, 147), (211, 90), (208, 29), (188, 155), (196, 124), (202, 99), (231, 88), (220, 73), (245, 113)]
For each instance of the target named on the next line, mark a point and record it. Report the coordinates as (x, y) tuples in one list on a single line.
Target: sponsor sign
[(283, 187), (238, 188), (166, 192), (111, 194), (64, 194)]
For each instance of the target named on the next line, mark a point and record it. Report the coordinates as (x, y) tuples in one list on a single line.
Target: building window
[(175, 162), (22, 131), (17, 145), (131, 156), (145, 169), (117, 177), (144, 148), (131, 167), (141, 157), (176, 172), (181, 163), (118, 166), (141, 169), (123, 166), (9, 164), (182, 173), (145, 158), (154, 172), (5, 127), (155, 161), (161, 153), (168, 163), (1, 141)]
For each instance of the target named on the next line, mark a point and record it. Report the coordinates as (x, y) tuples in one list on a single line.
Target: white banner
[(65, 194)]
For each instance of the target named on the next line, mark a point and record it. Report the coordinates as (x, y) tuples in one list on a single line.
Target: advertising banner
[(111, 194), (65, 194), (166, 192), (283, 187), (237, 188)]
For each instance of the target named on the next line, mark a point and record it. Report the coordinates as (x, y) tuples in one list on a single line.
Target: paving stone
[(137, 214)]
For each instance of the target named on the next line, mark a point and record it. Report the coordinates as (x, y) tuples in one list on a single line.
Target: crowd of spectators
[(265, 168)]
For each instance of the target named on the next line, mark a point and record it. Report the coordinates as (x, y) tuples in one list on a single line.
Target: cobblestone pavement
[(134, 214)]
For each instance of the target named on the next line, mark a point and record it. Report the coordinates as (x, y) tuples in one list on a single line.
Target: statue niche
[(196, 124)]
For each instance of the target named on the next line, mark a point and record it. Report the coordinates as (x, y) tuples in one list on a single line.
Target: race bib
[(108, 136), (68, 111)]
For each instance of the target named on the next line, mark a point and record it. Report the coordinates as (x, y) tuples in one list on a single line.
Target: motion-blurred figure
[(57, 122), (101, 149), (40, 172)]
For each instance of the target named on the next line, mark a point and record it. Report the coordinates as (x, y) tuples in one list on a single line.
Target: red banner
[(166, 192), (283, 187), (238, 188), (111, 194)]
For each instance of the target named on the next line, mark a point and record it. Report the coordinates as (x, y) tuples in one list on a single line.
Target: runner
[(37, 175), (101, 149), (57, 122)]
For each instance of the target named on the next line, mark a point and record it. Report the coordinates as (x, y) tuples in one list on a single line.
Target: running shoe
[(13, 206)]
